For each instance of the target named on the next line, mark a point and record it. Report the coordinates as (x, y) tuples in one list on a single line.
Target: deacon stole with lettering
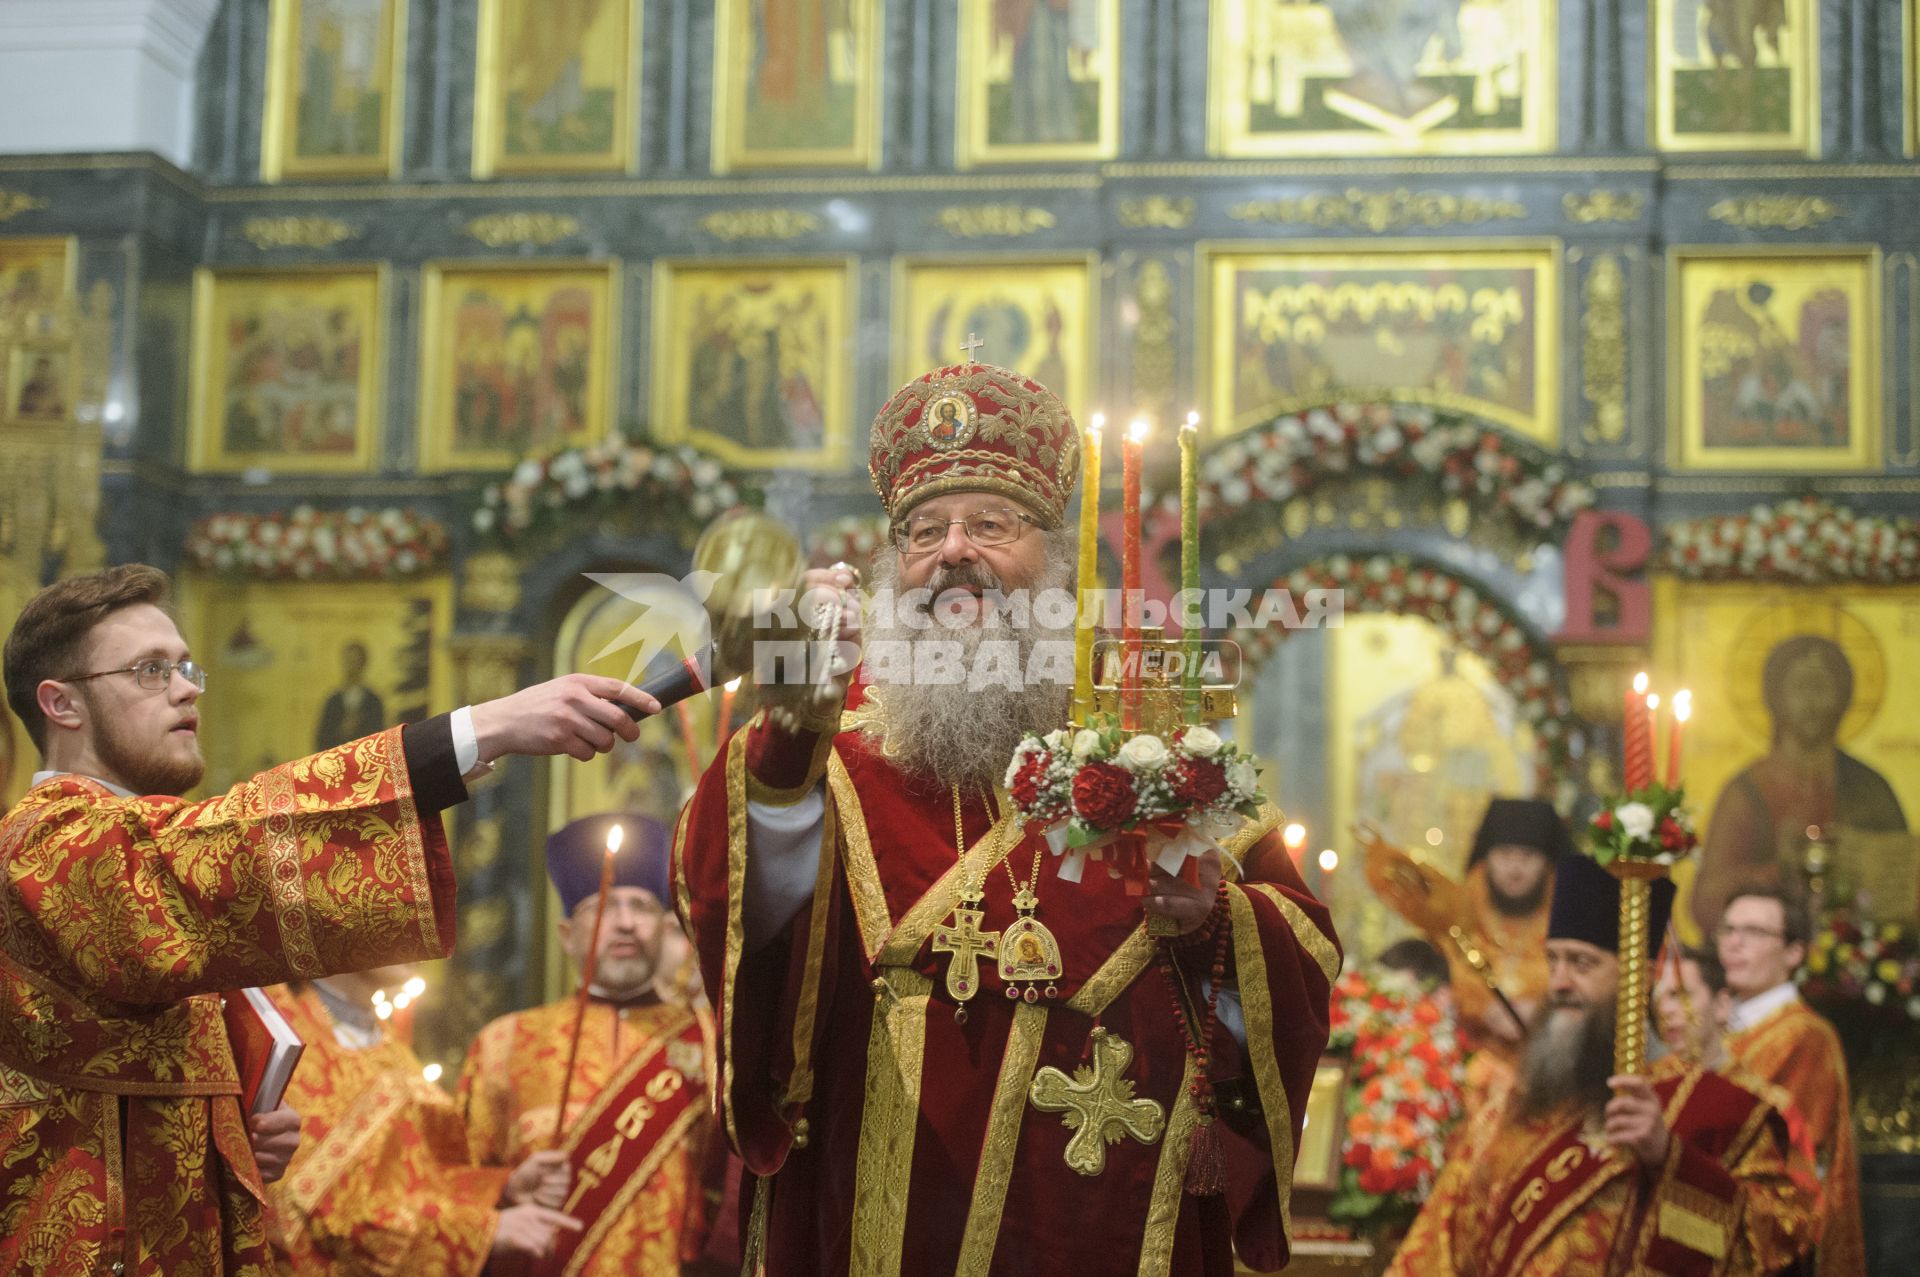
[(1549, 1196), (888, 1138), (638, 1126), (1796, 1050), (381, 1184), (119, 1102)]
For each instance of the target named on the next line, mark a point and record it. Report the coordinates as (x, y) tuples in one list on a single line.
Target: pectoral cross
[(1099, 1104), (968, 944), (971, 344)]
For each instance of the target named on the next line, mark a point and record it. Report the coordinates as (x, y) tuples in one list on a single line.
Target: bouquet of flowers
[(1152, 801), (1648, 824), (1852, 961), (1404, 1096)]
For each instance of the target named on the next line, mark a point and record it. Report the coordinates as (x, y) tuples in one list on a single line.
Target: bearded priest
[(1577, 1172), (903, 1106), (636, 1126)]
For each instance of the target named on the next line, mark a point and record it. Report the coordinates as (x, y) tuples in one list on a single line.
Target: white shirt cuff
[(466, 743), (783, 863)]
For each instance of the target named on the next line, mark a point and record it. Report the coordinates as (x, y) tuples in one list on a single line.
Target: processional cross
[(1098, 1103)]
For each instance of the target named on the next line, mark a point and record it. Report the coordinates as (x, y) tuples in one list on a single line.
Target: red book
[(265, 1048)]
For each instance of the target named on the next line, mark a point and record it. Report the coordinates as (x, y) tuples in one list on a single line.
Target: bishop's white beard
[(954, 732)]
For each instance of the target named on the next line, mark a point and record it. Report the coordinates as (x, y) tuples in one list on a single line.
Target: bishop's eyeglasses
[(925, 534), (154, 675)]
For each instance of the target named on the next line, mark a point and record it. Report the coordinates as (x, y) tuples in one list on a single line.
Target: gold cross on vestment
[(971, 344), (968, 944), (1099, 1104)]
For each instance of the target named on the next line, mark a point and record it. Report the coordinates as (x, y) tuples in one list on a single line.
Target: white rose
[(1085, 745), (1144, 753), (1635, 819), (1201, 742), (1243, 778)]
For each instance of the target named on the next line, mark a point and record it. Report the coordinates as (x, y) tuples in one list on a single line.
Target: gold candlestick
[(1636, 914)]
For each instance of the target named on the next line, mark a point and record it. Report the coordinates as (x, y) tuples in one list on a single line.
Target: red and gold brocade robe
[(1549, 1197), (509, 1092), (120, 919), (382, 1183), (1796, 1050), (892, 1140)]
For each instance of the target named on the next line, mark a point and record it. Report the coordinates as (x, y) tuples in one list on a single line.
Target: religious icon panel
[(1775, 362), (1801, 732), (515, 360), (39, 384), (287, 369), (35, 269), (1381, 77), (753, 360), (1036, 316), (796, 84), (555, 87), (1039, 82), (1473, 329), (333, 88), (297, 667), (1735, 77)]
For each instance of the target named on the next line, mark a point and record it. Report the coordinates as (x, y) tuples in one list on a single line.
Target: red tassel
[(1206, 1161)]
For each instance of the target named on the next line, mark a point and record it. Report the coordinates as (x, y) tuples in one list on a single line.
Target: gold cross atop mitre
[(1098, 1103)]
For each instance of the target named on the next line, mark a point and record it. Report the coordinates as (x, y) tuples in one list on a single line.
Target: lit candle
[(614, 836), (1682, 711), (1638, 737), (1131, 602), (1190, 561), (689, 743), (1089, 574), (723, 731)]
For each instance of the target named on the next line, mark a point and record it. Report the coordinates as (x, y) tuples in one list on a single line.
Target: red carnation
[(1103, 795), (1604, 822), (1198, 781), (1027, 781)]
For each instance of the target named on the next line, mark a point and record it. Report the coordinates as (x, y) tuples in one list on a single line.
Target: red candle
[(1682, 711), (586, 981), (1637, 730), (723, 731), (689, 742), (1131, 602)]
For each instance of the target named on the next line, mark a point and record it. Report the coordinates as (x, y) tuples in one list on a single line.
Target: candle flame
[(414, 987), (400, 1003), (1653, 701), (379, 996), (431, 1073), (1098, 422), (1294, 836), (1137, 431), (383, 1009), (1640, 683), (1683, 705), (733, 684), (614, 836), (1193, 419), (1329, 860)]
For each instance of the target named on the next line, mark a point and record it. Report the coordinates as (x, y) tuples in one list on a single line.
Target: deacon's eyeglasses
[(1740, 932), (926, 534), (154, 675)]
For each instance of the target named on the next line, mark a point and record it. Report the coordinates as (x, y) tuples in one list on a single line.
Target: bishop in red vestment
[(900, 1107), (124, 910), (1572, 1173)]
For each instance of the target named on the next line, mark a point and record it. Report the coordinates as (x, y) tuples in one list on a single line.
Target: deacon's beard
[(152, 769), (1569, 1059), (952, 732), (1524, 905), (620, 978)]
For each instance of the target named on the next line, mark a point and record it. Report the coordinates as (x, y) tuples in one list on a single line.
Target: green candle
[(1190, 560)]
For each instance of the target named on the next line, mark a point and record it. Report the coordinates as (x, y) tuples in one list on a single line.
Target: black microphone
[(687, 677)]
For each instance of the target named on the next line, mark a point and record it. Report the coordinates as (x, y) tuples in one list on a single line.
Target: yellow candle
[(1089, 577)]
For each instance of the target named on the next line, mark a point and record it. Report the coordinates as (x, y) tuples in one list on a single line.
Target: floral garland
[(618, 479), (849, 540), (1403, 1099), (307, 544), (1396, 583), (1805, 540), (1855, 962), (1098, 783), (1292, 455), (1648, 824)]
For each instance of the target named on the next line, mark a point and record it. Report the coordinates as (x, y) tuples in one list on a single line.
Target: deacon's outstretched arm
[(334, 862)]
